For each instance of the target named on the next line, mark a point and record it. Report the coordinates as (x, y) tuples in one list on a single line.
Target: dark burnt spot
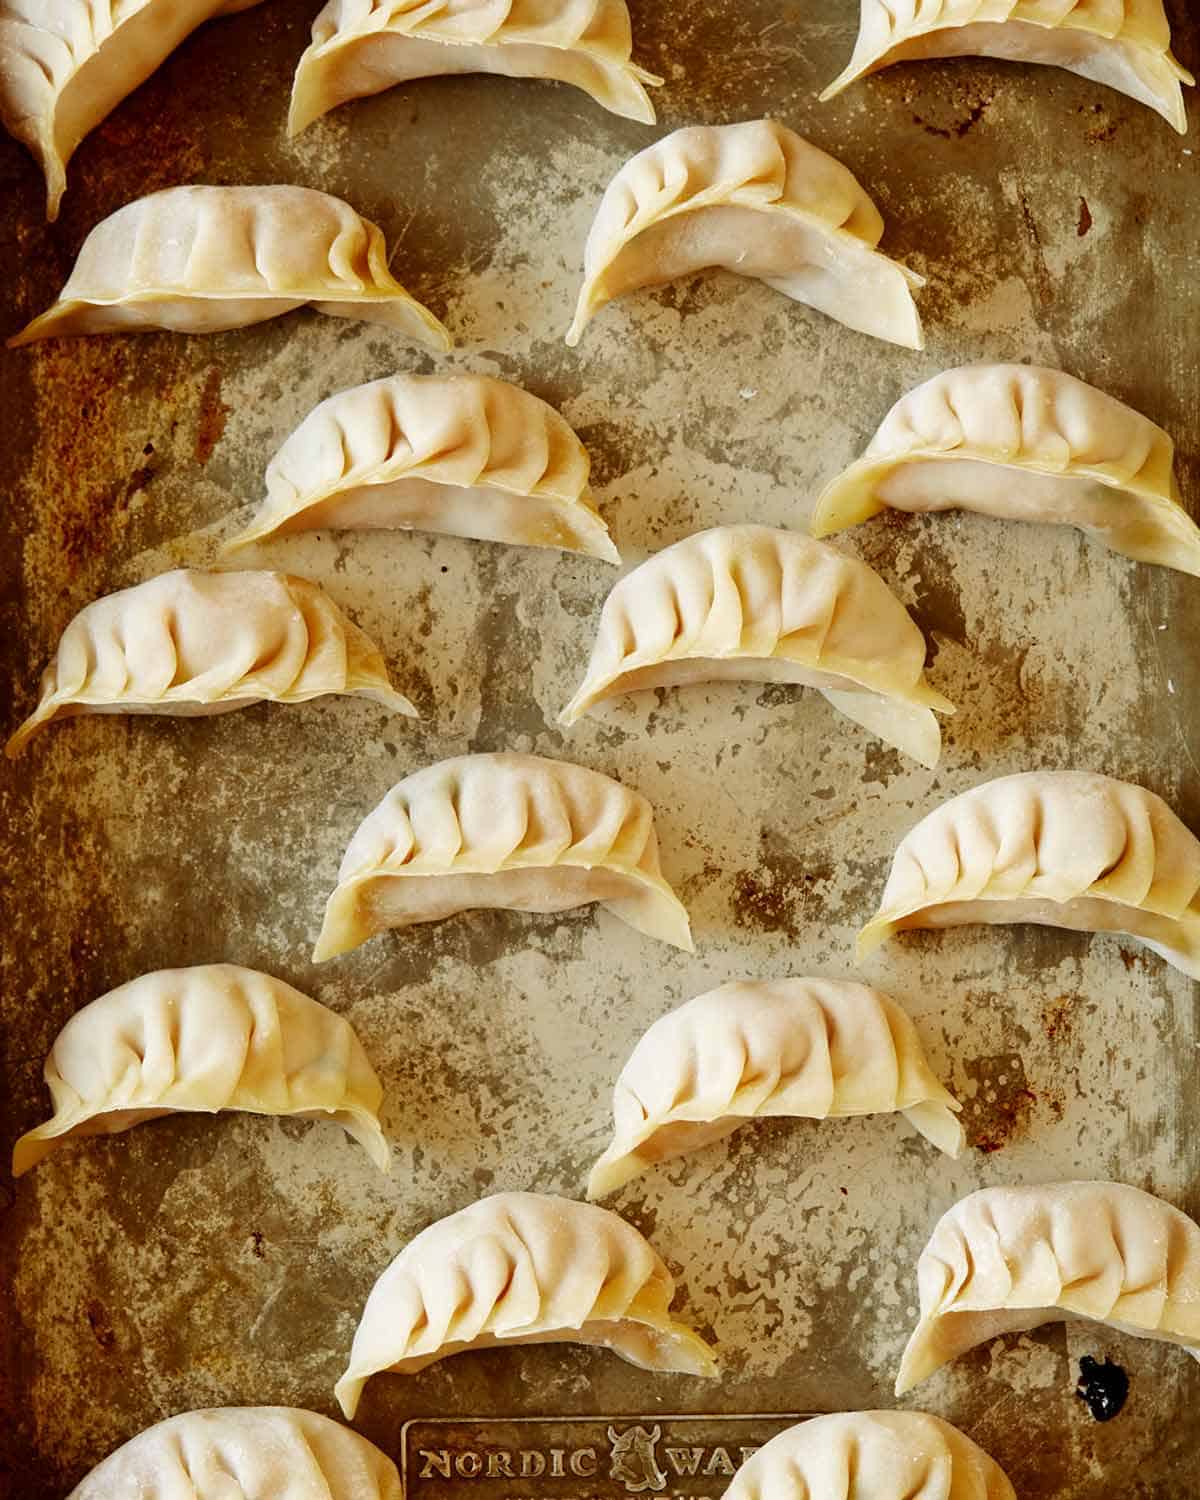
[(257, 1245), (101, 1325), (643, 1215), (1103, 126), (1135, 959), (1007, 1122), (762, 902), (778, 695), (212, 416), (691, 295), (955, 129), (417, 685), (1003, 1103), (1143, 209), (938, 604), (779, 894), (422, 606), (1085, 221), (710, 873), (1103, 1387), (614, 448), (1058, 1018), (84, 949), (881, 763), (138, 480)]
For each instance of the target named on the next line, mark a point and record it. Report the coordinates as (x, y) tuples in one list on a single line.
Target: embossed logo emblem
[(634, 1459), (580, 1458)]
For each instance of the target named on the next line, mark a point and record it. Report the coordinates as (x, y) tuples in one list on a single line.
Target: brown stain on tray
[(972, 112), (1003, 1106), (91, 465), (1058, 1018), (101, 1325), (211, 417), (780, 894)]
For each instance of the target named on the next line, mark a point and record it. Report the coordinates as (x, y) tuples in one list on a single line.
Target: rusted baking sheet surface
[(203, 1261)]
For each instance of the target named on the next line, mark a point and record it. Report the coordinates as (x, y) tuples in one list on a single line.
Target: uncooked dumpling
[(1060, 848), (818, 1048), (461, 454), (204, 259), (1025, 444), (190, 643), (361, 47), (747, 603), (501, 831), (205, 1039), (244, 1453), (1125, 44), (871, 1455), (64, 64), (755, 199), (521, 1268), (1008, 1259)]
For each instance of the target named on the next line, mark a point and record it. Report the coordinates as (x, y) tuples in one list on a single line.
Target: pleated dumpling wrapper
[(465, 455), (361, 47), (1022, 443), (521, 1268), (517, 832), (817, 1048), (256, 1452), (205, 1039), (189, 643), (756, 199), (1125, 44), (871, 1455), (1060, 848), (1008, 1259), (751, 604), (65, 64), (204, 259)]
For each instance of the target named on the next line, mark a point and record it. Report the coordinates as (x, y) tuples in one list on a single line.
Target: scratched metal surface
[(203, 1261)]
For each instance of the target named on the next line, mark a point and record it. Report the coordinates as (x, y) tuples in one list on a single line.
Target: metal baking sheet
[(200, 1261)]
